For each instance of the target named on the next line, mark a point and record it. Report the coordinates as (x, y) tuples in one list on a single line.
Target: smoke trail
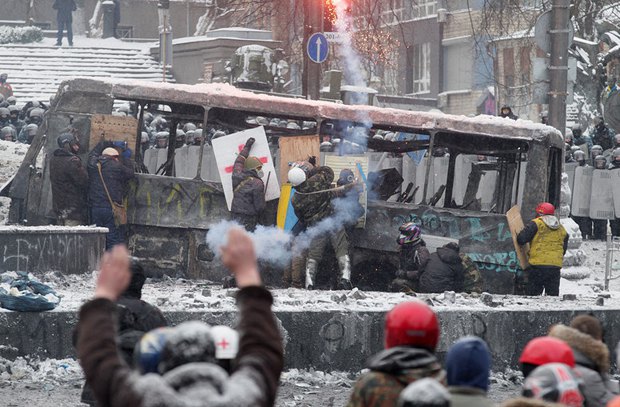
[(352, 63), (270, 243), (278, 247)]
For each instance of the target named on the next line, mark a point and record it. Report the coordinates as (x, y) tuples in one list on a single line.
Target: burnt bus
[(475, 170)]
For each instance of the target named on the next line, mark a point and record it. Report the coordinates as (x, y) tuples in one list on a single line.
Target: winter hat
[(588, 325), (425, 392), (138, 277), (453, 246), (554, 382), (468, 363), (188, 342)]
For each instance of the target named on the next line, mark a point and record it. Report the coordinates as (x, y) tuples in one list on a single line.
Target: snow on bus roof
[(227, 96)]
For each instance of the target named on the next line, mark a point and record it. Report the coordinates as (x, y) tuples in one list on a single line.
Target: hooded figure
[(548, 242), (506, 111), (592, 363), (468, 364), (443, 271), (248, 188)]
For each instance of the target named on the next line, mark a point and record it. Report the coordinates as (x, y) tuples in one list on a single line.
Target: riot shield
[(582, 188), (615, 188), (569, 169), (602, 198)]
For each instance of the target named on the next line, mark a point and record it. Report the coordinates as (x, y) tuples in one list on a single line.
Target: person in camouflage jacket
[(312, 203), (473, 278), (406, 358)]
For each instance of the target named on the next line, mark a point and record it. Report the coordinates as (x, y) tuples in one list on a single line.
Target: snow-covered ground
[(58, 382)]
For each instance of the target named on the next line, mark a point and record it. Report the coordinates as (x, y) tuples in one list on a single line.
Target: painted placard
[(113, 128), (227, 149), (515, 223), (359, 165)]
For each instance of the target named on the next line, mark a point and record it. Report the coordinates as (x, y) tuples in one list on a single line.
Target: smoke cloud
[(278, 247)]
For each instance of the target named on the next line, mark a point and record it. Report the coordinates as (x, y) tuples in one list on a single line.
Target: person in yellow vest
[(548, 241)]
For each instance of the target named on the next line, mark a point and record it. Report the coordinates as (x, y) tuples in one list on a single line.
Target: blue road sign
[(317, 48)]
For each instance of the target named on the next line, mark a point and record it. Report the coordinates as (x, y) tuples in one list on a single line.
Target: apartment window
[(422, 67), (393, 11), (423, 8)]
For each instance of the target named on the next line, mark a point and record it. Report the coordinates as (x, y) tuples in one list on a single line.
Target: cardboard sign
[(515, 223), (227, 149), (353, 163), (297, 148), (113, 128)]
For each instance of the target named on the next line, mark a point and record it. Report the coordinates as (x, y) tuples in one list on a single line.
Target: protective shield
[(615, 188), (462, 168), (582, 188), (569, 169), (487, 190), (438, 178), (602, 198), (150, 160)]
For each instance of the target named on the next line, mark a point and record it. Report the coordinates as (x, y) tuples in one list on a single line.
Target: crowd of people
[(143, 362), (601, 151), (18, 124)]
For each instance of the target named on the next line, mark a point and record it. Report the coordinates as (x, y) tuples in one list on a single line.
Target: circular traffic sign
[(317, 48)]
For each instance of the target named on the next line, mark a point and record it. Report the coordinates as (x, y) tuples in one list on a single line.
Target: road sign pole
[(311, 78), (558, 70)]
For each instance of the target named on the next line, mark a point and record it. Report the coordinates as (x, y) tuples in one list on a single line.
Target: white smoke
[(278, 247)]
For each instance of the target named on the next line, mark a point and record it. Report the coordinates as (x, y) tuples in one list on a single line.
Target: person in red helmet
[(411, 335), (548, 242), (545, 349)]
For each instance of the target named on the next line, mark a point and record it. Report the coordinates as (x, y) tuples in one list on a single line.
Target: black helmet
[(11, 100), (576, 130), (616, 154), (65, 138), (596, 150), (13, 109), (4, 112)]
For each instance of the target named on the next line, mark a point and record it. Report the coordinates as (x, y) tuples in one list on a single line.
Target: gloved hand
[(312, 160), (250, 142)]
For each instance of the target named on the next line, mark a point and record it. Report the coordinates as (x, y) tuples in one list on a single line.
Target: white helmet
[(226, 342), (296, 176)]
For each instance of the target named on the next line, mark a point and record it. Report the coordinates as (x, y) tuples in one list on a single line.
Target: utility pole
[(311, 77), (558, 69)]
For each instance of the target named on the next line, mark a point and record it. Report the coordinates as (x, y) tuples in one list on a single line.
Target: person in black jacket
[(64, 18), (187, 369), (443, 271), (248, 188), (69, 181), (135, 318), (116, 173)]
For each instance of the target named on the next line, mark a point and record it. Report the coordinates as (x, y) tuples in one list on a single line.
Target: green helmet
[(252, 163)]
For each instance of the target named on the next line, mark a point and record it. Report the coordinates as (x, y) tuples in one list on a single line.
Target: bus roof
[(228, 97)]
